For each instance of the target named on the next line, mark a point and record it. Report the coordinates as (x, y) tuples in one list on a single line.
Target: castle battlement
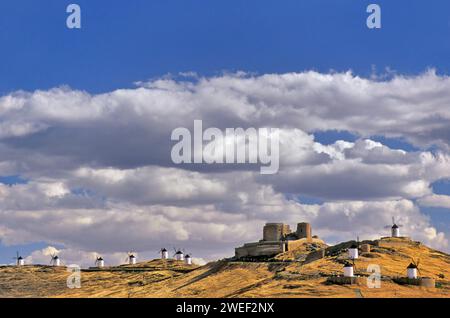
[(277, 238)]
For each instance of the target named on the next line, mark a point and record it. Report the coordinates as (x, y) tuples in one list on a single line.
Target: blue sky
[(124, 42)]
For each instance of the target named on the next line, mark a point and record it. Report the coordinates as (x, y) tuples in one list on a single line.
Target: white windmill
[(99, 262), (188, 259), (395, 228), (19, 259), (179, 255), (164, 253), (412, 269), (54, 260), (348, 270), (131, 258), (353, 251)]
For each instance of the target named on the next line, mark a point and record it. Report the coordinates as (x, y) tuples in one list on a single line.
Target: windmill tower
[(19, 260), (353, 251), (131, 258), (395, 228), (54, 260), (412, 269), (188, 259), (348, 270), (99, 262), (179, 255), (164, 253)]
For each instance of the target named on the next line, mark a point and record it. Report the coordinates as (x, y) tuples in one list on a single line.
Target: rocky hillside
[(283, 276)]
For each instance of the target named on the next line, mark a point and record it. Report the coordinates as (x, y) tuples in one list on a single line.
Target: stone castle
[(277, 238)]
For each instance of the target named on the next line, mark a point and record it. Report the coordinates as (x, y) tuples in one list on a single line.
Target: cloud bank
[(100, 178)]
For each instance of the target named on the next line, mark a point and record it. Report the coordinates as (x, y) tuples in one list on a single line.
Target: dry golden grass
[(170, 278)]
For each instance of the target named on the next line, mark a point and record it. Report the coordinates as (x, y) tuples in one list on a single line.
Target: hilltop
[(285, 275)]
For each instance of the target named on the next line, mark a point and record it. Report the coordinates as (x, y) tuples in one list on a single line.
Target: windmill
[(131, 258), (19, 259), (413, 268), (164, 253), (99, 262), (348, 269), (395, 228), (353, 251), (54, 260), (178, 254), (188, 258)]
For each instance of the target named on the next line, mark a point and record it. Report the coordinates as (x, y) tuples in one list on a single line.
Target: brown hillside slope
[(237, 279)]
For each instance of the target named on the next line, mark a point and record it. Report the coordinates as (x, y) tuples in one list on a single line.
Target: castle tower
[(304, 231), (275, 231)]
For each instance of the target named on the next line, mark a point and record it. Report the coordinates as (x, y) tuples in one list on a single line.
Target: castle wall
[(294, 244), (424, 282), (393, 242), (341, 280), (260, 249)]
